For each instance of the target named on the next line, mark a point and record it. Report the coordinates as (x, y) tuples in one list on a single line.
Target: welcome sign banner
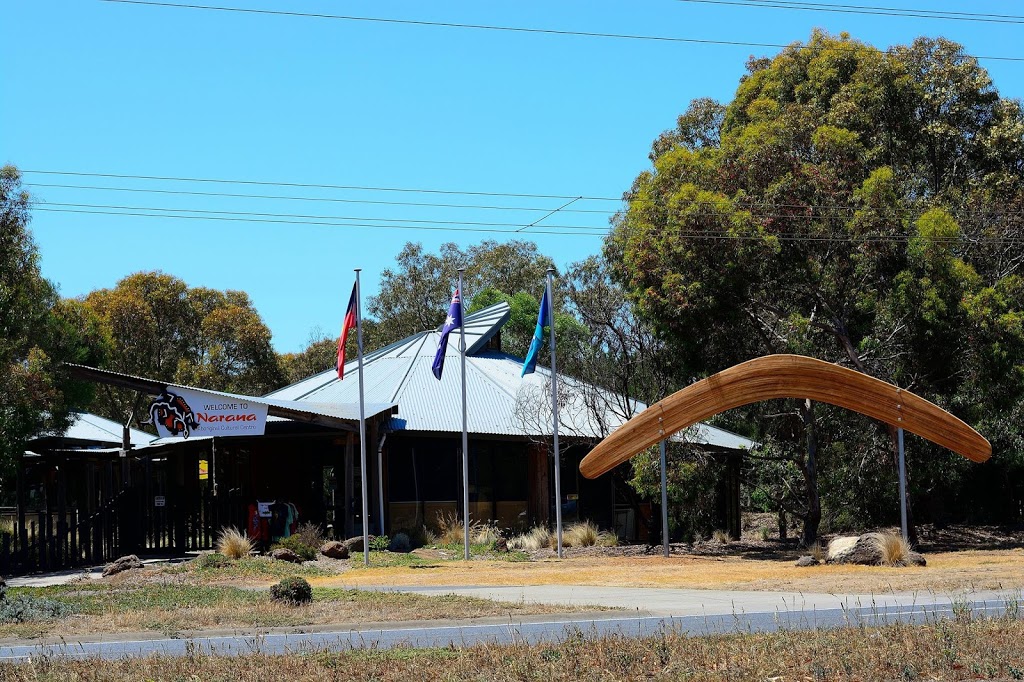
[(183, 412)]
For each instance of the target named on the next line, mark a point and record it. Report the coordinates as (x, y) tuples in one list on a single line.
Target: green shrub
[(379, 543), (23, 608), (292, 589), (213, 560), (295, 543)]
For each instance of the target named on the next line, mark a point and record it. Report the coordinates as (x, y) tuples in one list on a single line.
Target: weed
[(233, 543), (379, 543)]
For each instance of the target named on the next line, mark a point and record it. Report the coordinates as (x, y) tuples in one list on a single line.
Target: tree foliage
[(850, 204), (160, 327), (38, 331)]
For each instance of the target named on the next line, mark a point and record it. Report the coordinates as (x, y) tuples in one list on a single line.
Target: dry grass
[(233, 543), (721, 537), (582, 534), (536, 538), (976, 569), (957, 650), (894, 549), (817, 550)]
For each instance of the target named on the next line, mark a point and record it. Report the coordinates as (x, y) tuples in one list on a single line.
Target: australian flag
[(530, 363), (453, 321)]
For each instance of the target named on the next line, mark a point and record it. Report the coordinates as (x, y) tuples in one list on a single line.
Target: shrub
[(311, 534), (233, 543), (400, 543), (894, 549), (721, 537), (23, 608), (293, 589), (212, 560), (295, 544), (450, 529), (379, 543), (607, 538)]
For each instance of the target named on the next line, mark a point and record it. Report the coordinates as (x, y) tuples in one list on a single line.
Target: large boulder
[(356, 544), (124, 563), (866, 551), (285, 554), (334, 549)]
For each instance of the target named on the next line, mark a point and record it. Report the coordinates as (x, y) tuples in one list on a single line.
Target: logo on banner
[(185, 412), (173, 413)]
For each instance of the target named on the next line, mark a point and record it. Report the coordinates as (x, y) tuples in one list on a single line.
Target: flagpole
[(554, 413), (465, 431), (362, 425)]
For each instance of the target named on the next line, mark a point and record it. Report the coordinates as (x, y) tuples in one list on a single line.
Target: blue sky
[(97, 87)]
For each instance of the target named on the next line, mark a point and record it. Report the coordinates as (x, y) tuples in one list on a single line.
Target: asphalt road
[(721, 612)]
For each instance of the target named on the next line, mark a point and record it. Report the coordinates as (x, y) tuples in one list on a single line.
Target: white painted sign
[(183, 412)]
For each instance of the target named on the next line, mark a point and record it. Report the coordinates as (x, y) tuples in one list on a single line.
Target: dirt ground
[(958, 559)]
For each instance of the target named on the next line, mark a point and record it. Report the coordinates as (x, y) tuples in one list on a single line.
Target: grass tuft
[(894, 549), (584, 534), (233, 543), (536, 538)]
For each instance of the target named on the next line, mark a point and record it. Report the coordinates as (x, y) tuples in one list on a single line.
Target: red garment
[(256, 527)]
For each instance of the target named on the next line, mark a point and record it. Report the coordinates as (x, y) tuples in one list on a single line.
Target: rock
[(867, 551), (334, 550), (915, 559), (285, 554), (838, 547), (400, 543), (356, 544), (501, 545), (807, 560), (123, 564)]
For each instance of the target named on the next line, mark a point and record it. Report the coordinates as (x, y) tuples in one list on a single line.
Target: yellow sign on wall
[(204, 470)]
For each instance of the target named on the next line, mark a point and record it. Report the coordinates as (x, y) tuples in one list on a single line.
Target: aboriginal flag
[(349, 323)]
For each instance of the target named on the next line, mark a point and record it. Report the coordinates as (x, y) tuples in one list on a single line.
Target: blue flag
[(530, 363), (453, 320)]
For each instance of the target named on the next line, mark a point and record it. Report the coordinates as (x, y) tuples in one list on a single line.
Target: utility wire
[(869, 10), (488, 27), (325, 199), (807, 210), (512, 228)]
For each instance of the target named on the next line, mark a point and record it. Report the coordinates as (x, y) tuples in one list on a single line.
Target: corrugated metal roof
[(93, 428), (499, 401)]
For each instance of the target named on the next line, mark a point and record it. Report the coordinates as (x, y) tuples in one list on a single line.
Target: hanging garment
[(279, 521)]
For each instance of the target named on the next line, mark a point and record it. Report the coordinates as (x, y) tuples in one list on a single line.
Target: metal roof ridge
[(412, 363)]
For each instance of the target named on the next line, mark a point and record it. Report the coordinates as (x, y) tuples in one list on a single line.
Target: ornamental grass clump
[(582, 534), (233, 543), (293, 589), (894, 549), (534, 539)]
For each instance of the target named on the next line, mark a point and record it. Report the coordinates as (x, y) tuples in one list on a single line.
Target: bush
[(233, 543), (293, 590), (295, 544), (379, 543), (311, 534), (22, 608), (579, 535), (213, 560)]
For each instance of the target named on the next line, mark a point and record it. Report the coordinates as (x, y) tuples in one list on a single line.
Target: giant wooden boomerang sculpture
[(785, 376)]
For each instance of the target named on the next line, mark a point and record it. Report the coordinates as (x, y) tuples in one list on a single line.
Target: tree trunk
[(810, 471)]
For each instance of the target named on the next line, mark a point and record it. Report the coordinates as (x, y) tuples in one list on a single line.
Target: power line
[(809, 211), (910, 12), (231, 195), (488, 27), (360, 188), (562, 230)]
